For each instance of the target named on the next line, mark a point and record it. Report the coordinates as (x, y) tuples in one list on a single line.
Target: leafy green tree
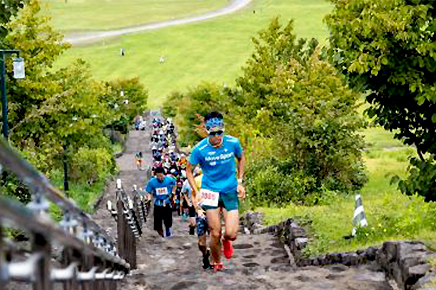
[(387, 48), (128, 97), (8, 8), (295, 115), (28, 99), (273, 49)]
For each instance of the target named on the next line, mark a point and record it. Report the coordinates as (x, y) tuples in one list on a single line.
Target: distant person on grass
[(162, 188), (219, 187)]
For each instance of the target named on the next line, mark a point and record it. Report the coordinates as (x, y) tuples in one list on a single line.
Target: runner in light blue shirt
[(220, 188)]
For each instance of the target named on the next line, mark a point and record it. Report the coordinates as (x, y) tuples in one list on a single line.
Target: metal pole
[(3, 92), (3, 89)]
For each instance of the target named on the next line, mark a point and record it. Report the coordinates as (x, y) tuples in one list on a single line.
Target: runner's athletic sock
[(192, 231), (227, 249)]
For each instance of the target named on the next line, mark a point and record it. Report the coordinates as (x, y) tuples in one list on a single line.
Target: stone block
[(301, 243), (298, 233), (413, 274), (390, 250), (411, 260), (371, 253), (408, 249), (353, 259), (424, 281)]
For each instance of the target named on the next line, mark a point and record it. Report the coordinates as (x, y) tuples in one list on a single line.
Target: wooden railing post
[(2, 258), (121, 229), (42, 275)]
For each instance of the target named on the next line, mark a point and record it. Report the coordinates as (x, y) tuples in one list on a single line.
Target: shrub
[(273, 182), (421, 179), (91, 165)]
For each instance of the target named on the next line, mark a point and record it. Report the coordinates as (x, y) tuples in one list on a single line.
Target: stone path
[(260, 262)]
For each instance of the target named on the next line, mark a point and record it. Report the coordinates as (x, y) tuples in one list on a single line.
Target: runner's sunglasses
[(216, 133)]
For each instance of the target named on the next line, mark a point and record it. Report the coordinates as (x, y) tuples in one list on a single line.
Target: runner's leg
[(157, 216), (231, 219), (192, 221), (168, 218), (202, 243), (213, 219), (202, 230)]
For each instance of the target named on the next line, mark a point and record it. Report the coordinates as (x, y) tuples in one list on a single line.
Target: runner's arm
[(191, 181), (174, 191), (241, 165)]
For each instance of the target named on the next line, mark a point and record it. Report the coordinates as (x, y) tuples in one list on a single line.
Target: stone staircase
[(260, 261)]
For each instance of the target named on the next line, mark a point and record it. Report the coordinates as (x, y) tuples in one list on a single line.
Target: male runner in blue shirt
[(220, 188), (161, 187)]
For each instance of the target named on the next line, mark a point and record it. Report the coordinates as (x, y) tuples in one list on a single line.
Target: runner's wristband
[(239, 181)]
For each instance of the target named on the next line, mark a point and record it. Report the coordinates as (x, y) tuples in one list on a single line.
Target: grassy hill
[(212, 50), (86, 15)]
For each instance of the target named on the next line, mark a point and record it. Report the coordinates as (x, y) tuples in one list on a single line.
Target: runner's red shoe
[(218, 267), (227, 249)]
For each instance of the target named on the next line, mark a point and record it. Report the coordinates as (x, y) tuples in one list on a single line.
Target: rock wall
[(404, 262), (407, 264)]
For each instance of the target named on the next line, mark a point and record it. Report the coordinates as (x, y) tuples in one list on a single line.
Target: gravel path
[(234, 6), (260, 262)]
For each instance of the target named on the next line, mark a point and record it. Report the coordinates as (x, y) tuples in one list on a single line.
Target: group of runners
[(207, 185)]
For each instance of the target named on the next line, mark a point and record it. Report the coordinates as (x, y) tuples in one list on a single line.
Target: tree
[(273, 49), (128, 97), (29, 99), (387, 49), (8, 8), (296, 109)]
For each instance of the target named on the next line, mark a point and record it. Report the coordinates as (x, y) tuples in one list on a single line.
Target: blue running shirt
[(217, 163), (161, 190)]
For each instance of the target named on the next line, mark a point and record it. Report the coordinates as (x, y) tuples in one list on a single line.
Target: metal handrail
[(27, 219), (89, 254), (10, 159)]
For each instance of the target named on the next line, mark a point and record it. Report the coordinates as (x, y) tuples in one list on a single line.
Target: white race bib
[(209, 198), (161, 191)]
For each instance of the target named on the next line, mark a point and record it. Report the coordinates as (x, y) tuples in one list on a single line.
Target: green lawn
[(212, 50), (85, 15)]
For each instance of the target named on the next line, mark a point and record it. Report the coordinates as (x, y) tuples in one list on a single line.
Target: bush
[(91, 165), (274, 183), (421, 179)]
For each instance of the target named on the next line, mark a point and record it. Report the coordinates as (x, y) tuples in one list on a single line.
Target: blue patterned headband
[(214, 123)]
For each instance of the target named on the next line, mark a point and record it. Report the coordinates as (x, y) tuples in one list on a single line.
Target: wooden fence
[(130, 215)]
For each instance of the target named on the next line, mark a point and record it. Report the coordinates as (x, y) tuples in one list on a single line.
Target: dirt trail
[(260, 262)]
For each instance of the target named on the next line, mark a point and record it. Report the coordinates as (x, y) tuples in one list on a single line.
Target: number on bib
[(209, 198), (161, 191)]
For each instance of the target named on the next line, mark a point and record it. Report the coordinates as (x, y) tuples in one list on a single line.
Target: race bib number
[(209, 198), (161, 191)]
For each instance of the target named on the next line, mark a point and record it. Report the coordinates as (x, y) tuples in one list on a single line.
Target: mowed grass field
[(212, 50), (87, 15)]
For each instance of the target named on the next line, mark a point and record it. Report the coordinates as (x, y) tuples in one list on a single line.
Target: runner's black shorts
[(162, 214)]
